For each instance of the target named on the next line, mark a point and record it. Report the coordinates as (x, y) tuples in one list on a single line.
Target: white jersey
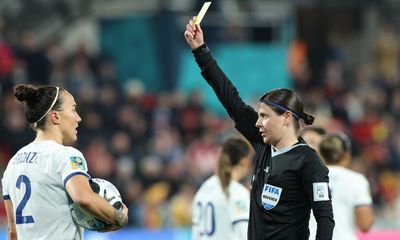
[(349, 190), (217, 218), (35, 181)]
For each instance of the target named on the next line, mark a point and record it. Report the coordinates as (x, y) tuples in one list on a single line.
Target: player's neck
[(237, 174), (49, 134)]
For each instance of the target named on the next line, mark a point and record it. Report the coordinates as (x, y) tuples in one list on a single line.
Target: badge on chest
[(270, 196)]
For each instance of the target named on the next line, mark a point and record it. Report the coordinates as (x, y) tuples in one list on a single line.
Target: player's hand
[(114, 227), (194, 34), (124, 209)]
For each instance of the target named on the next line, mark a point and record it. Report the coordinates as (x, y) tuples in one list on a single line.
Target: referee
[(289, 177)]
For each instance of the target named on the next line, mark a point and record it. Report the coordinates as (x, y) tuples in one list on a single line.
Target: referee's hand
[(194, 34)]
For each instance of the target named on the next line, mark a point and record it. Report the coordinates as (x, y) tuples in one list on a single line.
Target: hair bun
[(308, 119), (24, 92)]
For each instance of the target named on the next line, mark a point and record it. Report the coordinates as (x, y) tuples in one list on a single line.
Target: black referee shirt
[(287, 183)]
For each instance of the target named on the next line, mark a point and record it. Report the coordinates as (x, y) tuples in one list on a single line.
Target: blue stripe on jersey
[(73, 174), (6, 197), (240, 220)]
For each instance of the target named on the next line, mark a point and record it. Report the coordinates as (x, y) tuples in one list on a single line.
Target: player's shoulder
[(210, 183), (355, 175), (208, 188), (49, 147), (71, 154), (238, 187), (72, 151), (238, 191), (348, 174)]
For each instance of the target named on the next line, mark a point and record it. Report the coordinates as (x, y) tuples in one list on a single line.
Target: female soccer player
[(289, 177), (221, 205), (351, 196), (41, 175), (313, 136)]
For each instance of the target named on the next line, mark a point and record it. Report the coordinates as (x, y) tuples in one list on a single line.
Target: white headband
[(51, 106)]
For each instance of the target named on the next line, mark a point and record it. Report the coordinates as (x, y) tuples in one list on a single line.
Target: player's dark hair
[(38, 100), (282, 100), (333, 147), (233, 150), (318, 130)]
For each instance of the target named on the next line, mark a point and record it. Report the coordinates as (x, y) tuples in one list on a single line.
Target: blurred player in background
[(313, 136), (351, 197), (40, 175), (289, 177), (221, 205)]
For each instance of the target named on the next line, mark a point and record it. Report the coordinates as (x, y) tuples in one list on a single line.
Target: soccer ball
[(107, 191)]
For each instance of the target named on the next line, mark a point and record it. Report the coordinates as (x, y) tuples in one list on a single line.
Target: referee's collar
[(276, 152)]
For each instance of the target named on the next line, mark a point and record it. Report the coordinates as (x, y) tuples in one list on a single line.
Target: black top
[(287, 183)]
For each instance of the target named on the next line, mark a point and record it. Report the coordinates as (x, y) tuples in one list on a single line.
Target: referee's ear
[(288, 117)]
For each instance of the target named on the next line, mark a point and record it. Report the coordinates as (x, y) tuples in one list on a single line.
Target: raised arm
[(244, 115)]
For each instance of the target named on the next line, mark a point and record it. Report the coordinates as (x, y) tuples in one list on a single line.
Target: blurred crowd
[(157, 148), (362, 100)]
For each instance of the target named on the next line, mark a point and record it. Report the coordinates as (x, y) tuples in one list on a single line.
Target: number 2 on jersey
[(206, 219), (19, 219)]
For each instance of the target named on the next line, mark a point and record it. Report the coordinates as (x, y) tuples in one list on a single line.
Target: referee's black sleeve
[(316, 172), (241, 113)]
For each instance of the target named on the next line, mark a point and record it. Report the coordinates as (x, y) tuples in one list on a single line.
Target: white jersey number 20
[(206, 221)]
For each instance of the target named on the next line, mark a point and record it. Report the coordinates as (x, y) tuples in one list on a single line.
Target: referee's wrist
[(203, 56), (202, 50)]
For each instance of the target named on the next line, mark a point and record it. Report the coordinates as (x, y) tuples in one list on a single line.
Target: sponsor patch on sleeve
[(77, 163), (320, 191)]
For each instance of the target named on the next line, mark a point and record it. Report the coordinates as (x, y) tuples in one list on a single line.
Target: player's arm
[(363, 211), (79, 190), (364, 217), (240, 209), (12, 229)]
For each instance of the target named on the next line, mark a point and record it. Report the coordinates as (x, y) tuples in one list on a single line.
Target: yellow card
[(202, 12)]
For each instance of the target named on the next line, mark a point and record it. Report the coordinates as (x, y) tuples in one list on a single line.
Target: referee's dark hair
[(282, 100), (233, 150)]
